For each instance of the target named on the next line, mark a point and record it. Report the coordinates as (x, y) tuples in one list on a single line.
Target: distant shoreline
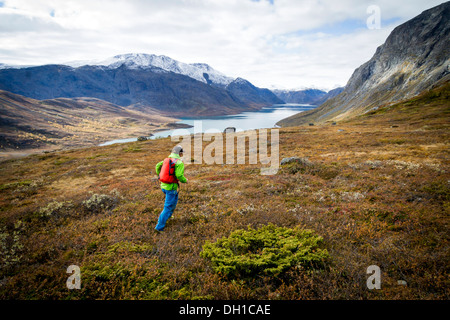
[(20, 153), (107, 138)]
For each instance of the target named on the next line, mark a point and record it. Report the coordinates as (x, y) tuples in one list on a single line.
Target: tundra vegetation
[(373, 191)]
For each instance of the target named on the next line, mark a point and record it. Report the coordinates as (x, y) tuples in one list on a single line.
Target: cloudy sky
[(272, 43)]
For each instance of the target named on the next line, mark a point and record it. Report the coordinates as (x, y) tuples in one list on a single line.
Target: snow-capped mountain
[(11, 66), (141, 82), (198, 71)]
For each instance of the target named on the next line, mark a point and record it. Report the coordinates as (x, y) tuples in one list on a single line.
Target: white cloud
[(288, 44)]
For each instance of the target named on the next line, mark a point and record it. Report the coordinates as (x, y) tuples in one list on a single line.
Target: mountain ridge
[(143, 60), (135, 80), (306, 96)]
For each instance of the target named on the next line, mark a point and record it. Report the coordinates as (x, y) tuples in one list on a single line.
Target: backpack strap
[(172, 164)]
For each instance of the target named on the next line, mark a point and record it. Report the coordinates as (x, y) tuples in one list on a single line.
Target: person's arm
[(179, 172), (158, 167)]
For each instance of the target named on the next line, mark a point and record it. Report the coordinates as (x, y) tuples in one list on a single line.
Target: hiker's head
[(178, 150)]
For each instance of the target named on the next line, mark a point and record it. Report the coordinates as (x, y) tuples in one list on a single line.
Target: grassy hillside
[(29, 126), (376, 190)]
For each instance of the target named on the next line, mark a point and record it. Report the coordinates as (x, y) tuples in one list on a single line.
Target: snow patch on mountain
[(10, 66), (241, 81), (198, 71)]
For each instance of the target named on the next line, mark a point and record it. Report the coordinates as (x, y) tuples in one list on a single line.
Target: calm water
[(265, 118)]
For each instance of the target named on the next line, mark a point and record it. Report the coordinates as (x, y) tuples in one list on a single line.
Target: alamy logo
[(374, 281), (74, 281), (374, 20), (218, 149)]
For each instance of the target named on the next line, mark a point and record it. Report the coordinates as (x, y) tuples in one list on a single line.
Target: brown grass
[(378, 195)]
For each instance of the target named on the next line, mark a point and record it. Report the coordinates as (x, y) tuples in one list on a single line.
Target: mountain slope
[(414, 58), (141, 82), (374, 193), (330, 94), (307, 96), (27, 123), (167, 92), (251, 95)]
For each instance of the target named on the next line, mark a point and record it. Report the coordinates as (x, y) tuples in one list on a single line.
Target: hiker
[(171, 173)]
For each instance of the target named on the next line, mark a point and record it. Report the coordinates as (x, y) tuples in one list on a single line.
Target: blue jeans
[(169, 206)]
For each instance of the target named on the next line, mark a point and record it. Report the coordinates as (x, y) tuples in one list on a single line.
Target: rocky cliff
[(414, 58)]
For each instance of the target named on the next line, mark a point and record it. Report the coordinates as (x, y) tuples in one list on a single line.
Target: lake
[(264, 118)]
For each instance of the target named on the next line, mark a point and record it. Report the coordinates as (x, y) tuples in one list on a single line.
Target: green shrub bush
[(269, 250)]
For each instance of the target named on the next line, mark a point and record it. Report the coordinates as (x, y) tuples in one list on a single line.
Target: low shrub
[(269, 250), (132, 148), (54, 208), (11, 246), (98, 202), (15, 184), (293, 165)]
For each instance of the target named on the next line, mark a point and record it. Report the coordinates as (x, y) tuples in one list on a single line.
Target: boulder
[(229, 130), (302, 161)]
